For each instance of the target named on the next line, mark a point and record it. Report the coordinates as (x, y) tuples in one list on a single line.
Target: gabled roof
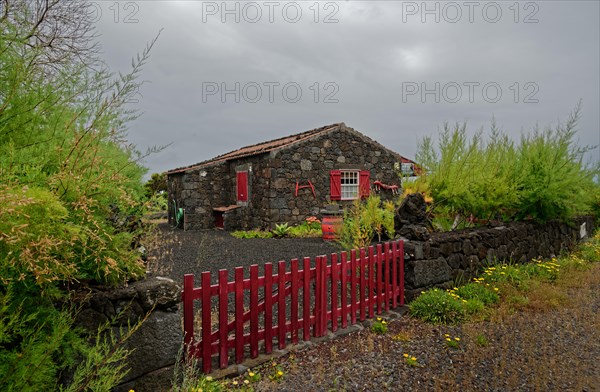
[(268, 146)]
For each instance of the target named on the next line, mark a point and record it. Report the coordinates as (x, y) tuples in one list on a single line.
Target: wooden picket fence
[(337, 291)]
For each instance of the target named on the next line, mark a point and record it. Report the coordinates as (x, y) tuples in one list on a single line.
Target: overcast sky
[(225, 75)]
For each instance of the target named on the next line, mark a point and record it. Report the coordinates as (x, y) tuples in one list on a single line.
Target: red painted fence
[(336, 291)]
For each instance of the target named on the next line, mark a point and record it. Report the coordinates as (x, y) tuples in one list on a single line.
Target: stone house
[(283, 180)]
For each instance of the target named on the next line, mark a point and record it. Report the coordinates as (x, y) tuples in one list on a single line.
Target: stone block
[(158, 292), (455, 260), (156, 344), (422, 273), (305, 165)]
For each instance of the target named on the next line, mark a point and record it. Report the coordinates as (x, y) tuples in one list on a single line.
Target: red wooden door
[(219, 221), (242, 186)]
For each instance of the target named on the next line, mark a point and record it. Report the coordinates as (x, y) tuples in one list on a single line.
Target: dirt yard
[(174, 252)]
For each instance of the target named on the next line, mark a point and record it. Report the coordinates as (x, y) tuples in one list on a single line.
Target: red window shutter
[(242, 186), (364, 184), (335, 185)]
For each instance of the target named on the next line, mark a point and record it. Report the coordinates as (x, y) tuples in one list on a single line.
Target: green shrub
[(542, 177), (306, 229), (364, 220), (281, 230), (438, 307), (477, 291), (251, 234), (473, 306)]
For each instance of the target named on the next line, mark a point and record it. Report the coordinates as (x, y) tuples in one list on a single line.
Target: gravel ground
[(532, 349), (528, 350), (174, 252)]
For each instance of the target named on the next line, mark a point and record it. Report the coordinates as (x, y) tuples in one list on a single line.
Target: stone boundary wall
[(458, 256), (157, 344)]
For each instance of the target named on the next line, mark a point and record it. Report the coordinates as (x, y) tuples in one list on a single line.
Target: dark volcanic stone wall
[(198, 191), (448, 257), (313, 161), (156, 344)]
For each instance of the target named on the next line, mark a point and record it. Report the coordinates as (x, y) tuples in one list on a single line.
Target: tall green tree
[(66, 168)]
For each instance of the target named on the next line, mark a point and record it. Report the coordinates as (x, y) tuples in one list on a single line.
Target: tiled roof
[(262, 148)]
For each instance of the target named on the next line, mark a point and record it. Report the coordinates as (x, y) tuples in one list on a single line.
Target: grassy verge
[(505, 288)]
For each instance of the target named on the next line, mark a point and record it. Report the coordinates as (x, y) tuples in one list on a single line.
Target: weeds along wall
[(156, 344), (453, 257)]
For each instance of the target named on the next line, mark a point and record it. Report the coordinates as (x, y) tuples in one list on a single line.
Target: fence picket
[(318, 294), (206, 323), (344, 289), (281, 304), (306, 299), (254, 310), (353, 300), (401, 266), (188, 312), (394, 275), (386, 275), (268, 308), (239, 314), (223, 319), (334, 292), (294, 303), (378, 278), (363, 273), (371, 296)]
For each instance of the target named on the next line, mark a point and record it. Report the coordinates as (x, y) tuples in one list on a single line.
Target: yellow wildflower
[(405, 355)]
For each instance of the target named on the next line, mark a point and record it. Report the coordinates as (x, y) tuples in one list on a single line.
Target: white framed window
[(349, 185), (407, 169)]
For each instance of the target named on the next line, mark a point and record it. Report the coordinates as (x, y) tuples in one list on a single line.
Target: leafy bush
[(306, 229), (281, 230), (542, 177), (438, 307), (364, 220), (158, 202)]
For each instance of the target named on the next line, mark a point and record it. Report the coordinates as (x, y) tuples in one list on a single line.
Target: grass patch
[(308, 228), (437, 306)]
